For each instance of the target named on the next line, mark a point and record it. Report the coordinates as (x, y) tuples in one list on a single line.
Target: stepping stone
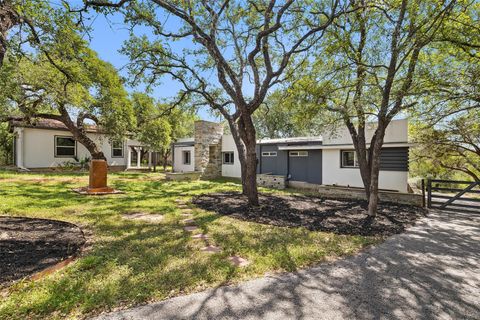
[(188, 211), (190, 228), (211, 249), (188, 221), (180, 201), (238, 261), (186, 215), (142, 216), (200, 236)]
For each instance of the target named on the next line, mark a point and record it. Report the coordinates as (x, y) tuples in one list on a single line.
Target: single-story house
[(45, 144), (326, 160)]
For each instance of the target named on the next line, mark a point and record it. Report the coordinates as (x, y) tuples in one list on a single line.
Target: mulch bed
[(341, 216), (30, 245)]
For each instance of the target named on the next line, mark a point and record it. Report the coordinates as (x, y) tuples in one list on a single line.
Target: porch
[(139, 158)]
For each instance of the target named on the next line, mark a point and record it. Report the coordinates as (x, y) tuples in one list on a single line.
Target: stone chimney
[(208, 148)]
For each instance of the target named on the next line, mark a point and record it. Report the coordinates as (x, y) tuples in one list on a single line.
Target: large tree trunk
[(244, 135), (374, 160), (8, 19), (363, 156), (248, 135), (165, 159), (372, 194), (369, 161), (154, 156)]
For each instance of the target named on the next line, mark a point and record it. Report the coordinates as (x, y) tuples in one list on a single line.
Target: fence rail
[(442, 195)]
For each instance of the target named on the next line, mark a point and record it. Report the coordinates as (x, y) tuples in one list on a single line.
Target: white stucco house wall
[(326, 160), (183, 155), (47, 144)]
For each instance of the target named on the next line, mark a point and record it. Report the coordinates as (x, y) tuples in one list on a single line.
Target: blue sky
[(107, 36)]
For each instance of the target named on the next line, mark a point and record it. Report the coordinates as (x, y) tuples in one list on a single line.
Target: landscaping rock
[(190, 228)]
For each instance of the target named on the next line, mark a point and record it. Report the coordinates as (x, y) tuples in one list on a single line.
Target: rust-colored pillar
[(98, 176)]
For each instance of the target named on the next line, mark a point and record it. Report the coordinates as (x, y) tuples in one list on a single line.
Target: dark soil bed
[(31, 245), (340, 216)]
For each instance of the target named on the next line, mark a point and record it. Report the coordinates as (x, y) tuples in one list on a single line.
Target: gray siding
[(275, 165), (394, 159), (307, 169), (315, 166)]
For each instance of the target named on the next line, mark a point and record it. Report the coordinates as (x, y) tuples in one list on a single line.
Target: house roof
[(317, 139), (42, 123)]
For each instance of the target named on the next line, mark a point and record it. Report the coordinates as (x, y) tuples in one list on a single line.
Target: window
[(186, 157), (65, 147), (298, 153), (269, 154), (349, 159), (228, 158), (117, 149)]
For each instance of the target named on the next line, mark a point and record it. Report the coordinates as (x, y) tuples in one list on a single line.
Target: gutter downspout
[(288, 165)]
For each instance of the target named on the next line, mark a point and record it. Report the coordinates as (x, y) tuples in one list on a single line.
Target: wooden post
[(423, 193), (429, 193)]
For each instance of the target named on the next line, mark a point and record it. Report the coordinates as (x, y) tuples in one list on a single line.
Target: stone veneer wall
[(181, 176), (208, 148), (358, 193), (271, 181)]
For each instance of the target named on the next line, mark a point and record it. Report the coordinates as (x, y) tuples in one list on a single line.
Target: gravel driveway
[(432, 271)]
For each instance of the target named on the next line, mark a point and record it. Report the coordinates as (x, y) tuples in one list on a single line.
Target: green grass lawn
[(131, 262)]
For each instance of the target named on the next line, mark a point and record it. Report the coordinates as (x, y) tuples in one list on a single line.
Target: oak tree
[(226, 54), (371, 63), (78, 89)]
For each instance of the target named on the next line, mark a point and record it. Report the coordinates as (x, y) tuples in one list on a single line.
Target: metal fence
[(459, 196)]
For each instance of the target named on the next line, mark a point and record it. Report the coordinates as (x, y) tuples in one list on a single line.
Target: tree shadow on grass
[(429, 272)]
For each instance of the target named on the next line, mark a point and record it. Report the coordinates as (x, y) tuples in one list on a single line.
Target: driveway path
[(430, 272)]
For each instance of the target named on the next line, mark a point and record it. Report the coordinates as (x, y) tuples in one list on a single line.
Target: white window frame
[(231, 158), (269, 154), (118, 148), (298, 154), (74, 147), (355, 159), (184, 158)]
